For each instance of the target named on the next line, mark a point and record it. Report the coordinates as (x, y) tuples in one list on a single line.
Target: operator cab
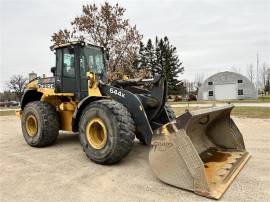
[(73, 61)]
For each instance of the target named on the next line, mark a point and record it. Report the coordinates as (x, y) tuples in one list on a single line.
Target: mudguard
[(30, 95), (79, 109), (132, 102)]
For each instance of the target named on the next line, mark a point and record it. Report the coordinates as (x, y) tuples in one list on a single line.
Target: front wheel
[(40, 124), (106, 131)]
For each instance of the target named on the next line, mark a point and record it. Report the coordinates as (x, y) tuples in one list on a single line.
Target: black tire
[(119, 129), (46, 121), (170, 112)]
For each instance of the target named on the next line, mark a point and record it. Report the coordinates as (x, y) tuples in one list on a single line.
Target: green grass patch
[(244, 112), (265, 98), (7, 113), (181, 110), (252, 112), (261, 99)]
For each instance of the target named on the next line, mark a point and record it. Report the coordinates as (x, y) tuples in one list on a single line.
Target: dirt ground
[(62, 172)]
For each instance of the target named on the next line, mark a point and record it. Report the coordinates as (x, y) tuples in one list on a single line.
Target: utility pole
[(257, 82)]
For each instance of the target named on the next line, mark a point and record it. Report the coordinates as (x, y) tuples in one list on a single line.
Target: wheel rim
[(31, 125), (96, 133)]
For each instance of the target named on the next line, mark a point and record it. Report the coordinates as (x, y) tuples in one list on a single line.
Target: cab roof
[(82, 43)]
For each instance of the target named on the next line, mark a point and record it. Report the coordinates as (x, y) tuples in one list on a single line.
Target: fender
[(132, 102), (79, 109), (30, 95)]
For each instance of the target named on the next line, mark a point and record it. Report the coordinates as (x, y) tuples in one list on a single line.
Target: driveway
[(62, 172)]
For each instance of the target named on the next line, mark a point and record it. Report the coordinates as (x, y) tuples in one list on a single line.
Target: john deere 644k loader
[(200, 151)]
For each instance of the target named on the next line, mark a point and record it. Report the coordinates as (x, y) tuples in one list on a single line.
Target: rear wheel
[(40, 124), (106, 131)]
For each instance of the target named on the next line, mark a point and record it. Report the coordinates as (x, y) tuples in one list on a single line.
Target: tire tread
[(126, 129), (50, 123)]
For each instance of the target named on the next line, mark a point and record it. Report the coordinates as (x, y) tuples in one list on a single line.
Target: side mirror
[(53, 69)]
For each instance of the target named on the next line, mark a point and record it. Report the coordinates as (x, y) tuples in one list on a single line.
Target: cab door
[(65, 71), (69, 71)]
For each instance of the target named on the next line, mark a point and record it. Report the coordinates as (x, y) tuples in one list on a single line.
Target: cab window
[(91, 58), (68, 63)]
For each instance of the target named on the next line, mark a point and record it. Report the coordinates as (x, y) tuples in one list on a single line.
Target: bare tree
[(236, 69), (107, 27), (267, 86), (17, 84), (198, 80), (7, 96), (187, 84), (250, 72), (263, 74)]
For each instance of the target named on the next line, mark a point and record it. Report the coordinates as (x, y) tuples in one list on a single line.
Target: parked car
[(9, 103)]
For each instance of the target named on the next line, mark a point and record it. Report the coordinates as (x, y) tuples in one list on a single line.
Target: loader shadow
[(139, 151), (67, 139)]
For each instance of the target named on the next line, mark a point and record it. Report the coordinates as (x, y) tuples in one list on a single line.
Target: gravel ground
[(63, 173)]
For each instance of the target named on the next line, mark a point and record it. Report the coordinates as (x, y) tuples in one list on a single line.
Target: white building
[(227, 86)]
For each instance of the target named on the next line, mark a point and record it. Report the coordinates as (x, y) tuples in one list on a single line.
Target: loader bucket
[(202, 151)]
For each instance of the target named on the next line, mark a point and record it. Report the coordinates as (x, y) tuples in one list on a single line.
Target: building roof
[(225, 72)]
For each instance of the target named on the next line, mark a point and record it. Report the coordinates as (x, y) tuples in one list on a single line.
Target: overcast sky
[(210, 35)]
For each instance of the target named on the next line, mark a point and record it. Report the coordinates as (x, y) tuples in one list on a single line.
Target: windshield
[(91, 58)]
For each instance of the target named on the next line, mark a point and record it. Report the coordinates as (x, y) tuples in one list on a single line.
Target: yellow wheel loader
[(200, 151)]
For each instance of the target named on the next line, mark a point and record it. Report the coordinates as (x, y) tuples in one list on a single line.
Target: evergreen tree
[(146, 57), (142, 63), (162, 58), (150, 56)]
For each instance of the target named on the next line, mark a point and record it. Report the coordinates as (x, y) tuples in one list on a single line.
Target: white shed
[(227, 86)]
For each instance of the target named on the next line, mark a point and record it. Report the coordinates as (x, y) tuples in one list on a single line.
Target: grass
[(243, 112), (252, 112), (261, 99), (248, 112), (7, 113)]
